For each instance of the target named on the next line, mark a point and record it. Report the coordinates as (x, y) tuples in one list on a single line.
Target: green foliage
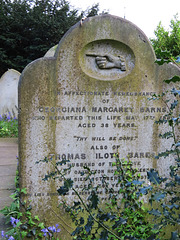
[(122, 216), (166, 190), (8, 126), (13, 209), (30, 28), (24, 225), (167, 41), (90, 12)]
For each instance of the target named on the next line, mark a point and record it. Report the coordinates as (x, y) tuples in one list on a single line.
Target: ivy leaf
[(24, 190), (144, 190), (94, 199), (174, 104), (166, 213), (81, 220), (136, 182), (82, 173), (158, 196), (175, 92), (68, 183), (24, 234), (76, 203), (170, 206), (153, 176), (177, 178), (76, 231), (119, 222), (175, 119), (174, 235), (89, 224), (152, 238), (155, 212), (63, 190), (28, 209), (33, 232), (63, 162), (171, 183), (105, 217), (36, 218), (165, 154), (175, 199), (104, 235), (166, 135), (173, 79), (41, 225), (24, 227)]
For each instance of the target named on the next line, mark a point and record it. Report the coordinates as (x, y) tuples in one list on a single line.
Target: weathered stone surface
[(86, 103), (51, 51), (9, 92)]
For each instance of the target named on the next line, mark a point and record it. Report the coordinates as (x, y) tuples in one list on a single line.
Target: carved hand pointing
[(109, 61)]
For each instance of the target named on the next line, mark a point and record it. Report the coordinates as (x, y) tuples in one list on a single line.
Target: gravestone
[(9, 92), (51, 51), (85, 104)]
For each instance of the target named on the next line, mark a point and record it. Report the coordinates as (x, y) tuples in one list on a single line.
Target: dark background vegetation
[(28, 28)]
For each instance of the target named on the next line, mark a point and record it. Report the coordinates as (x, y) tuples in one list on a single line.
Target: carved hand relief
[(107, 60)]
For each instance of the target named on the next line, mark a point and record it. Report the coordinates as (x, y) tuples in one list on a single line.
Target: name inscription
[(103, 124)]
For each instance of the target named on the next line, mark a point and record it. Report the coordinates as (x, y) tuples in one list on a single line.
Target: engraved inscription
[(107, 126)]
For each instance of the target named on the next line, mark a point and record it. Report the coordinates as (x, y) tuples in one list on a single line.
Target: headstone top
[(9, 92), (11, 72), (106, 48), (51, 52)]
